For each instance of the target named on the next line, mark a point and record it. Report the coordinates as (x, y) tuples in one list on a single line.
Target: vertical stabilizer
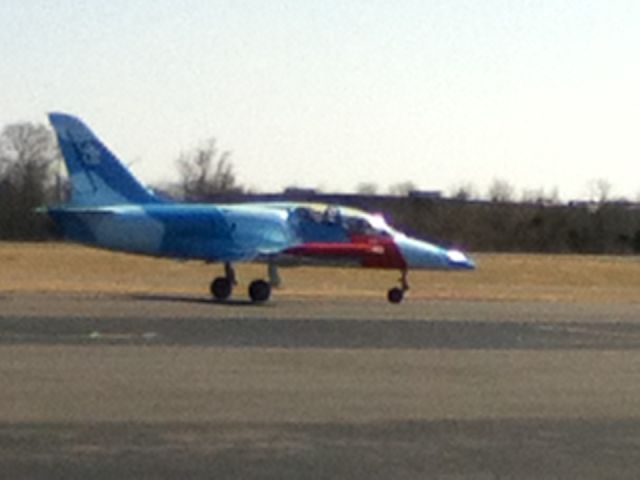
[(97, 176)]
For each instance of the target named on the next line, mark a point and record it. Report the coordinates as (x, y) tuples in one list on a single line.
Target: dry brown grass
[(54, 267)]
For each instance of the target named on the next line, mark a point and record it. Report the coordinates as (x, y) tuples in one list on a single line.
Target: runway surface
[(175, 386)]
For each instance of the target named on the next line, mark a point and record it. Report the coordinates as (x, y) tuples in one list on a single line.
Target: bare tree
[(599, 190), (206, 171), (367, 188), (402, 189), (27, 154), (463, 191), (540, 196), (500, 191)]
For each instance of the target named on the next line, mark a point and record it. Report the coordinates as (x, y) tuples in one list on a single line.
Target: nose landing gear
[(396, 294)]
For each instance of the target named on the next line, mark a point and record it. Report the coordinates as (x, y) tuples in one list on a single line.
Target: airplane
[(109, 208)]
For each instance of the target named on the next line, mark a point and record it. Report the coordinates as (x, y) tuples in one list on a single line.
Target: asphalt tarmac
[(170, 386)]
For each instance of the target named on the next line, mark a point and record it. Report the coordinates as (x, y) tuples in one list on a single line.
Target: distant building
[(299, 192), (429, 194)]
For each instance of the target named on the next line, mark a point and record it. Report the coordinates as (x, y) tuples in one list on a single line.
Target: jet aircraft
[(110, 208)]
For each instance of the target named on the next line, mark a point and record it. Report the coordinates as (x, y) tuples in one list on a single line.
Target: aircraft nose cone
[(458, 259), (420, 254)]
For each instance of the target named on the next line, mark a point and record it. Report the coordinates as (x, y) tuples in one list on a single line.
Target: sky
[(442, 93)]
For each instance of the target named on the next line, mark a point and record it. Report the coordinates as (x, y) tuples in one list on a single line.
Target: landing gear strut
[(274, 276), (396, 294)]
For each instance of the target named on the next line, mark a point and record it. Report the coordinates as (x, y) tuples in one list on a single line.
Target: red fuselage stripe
[(373, 252)]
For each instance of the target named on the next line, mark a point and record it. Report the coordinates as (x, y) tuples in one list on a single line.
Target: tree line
[(30, 177)]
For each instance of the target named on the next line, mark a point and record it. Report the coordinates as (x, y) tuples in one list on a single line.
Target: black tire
[(395, 295), (221, 288), (259, 291)]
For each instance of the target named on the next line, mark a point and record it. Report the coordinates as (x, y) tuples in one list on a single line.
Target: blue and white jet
[(109, 208)]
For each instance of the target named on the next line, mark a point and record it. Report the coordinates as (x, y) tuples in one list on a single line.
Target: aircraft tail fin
[(97, 176)]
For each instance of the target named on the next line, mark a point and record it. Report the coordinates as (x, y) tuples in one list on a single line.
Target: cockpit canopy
[(336, 223)]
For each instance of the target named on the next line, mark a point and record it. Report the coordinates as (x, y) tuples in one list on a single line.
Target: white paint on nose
[(421, 254), (459, 259)]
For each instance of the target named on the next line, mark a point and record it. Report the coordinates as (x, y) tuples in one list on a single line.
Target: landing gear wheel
[(221, 288), (259, 291), (395, 295)]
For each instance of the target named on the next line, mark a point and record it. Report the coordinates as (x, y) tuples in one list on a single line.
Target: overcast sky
[(333, 93)]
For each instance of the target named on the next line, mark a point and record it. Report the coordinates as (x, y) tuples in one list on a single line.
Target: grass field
[(57, 267)]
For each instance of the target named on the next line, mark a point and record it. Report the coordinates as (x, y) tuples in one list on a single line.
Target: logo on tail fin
[(90, 155)]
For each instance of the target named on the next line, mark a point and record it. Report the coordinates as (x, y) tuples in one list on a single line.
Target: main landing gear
[(396, 294), (221, 287)]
